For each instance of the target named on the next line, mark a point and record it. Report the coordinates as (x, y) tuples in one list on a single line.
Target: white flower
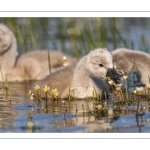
[(31, 97), (65, 64), (148, 86), (125, 78), (37, 88), (139, 90), (110, 82), (55, 92), (29, 93), (72, 89), (134, 92), (46, 89), (118, 88), (64, 58), (119, 85), (99, 106)]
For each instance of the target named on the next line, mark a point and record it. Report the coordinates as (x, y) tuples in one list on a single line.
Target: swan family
[(85, 74)]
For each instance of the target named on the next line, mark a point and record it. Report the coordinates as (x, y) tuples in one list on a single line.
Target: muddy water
[(19, 115)]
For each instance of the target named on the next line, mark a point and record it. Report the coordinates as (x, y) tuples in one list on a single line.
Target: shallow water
[(20, 116)]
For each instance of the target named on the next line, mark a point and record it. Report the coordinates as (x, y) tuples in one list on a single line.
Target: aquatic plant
[(65, 64), (125, 81), (49, 62), (148, 87), (139, 91)]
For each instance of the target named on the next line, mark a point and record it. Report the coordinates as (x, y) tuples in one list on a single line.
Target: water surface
[(20, 116)]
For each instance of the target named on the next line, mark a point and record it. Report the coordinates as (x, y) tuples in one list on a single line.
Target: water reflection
[(20, 115)]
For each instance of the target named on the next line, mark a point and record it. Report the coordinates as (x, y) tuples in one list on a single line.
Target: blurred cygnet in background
[(8, 49), (34, 65), (31, 66), (128, 61)]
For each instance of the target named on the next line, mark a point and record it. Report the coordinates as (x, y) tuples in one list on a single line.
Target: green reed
[(86, 34), (49, 62)]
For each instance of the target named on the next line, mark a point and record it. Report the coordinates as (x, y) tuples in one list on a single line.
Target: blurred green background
[(77, 36)]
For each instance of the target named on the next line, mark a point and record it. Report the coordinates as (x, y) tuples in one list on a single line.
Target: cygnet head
[(6, 38), (100, 65), (123, 60)]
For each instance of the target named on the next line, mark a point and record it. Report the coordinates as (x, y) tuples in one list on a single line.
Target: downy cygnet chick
[(90, 71), (34, 65), (8, 50), (128, 61)]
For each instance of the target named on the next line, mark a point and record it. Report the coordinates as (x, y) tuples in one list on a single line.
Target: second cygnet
[(128, 61), (34, 65)]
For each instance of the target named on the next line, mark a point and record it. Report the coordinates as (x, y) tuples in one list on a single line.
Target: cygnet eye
[(101, 65)]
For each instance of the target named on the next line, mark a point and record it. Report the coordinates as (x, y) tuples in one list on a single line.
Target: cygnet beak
[(113, 74)]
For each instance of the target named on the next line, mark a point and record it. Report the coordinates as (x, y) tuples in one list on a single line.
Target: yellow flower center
[(46, 89), (99, 106), (139, 90), (148, 86), (111, 83), (55, 92), (37, 88), (125, 78), (29, 93), (64, 58), (118, 88), (72, 89)]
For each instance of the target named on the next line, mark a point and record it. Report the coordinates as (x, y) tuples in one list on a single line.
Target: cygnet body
[(60, 80), (8, 49), (128, 61), (34, 65), (87, 75)]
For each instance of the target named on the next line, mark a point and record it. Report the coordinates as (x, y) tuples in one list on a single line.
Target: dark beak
[(113, 74)]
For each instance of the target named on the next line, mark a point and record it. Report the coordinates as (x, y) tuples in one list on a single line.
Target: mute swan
[(34, 65), (8, 49), (128, 61), (90, 71)]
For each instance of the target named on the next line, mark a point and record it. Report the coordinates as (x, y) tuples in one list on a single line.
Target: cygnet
[(90, 72), (128, 61)]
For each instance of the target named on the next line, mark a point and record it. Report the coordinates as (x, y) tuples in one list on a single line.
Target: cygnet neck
[(7, 59), (81, 73), (140, 61), (84, 83)]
